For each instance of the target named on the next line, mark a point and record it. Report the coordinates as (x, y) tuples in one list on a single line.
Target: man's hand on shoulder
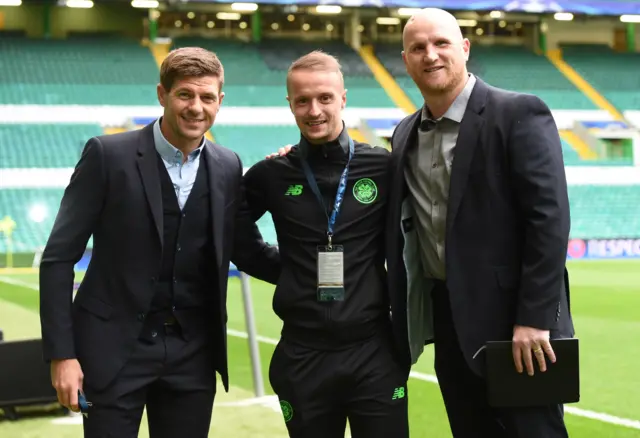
[(281, 152), (67, 378), (529, 342)]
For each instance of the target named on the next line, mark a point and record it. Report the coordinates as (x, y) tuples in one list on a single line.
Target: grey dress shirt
[(427, 173)]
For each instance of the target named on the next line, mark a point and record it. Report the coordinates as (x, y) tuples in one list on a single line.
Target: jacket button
[(141, 316)]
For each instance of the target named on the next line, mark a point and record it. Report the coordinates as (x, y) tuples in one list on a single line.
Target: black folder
[(560, 384)]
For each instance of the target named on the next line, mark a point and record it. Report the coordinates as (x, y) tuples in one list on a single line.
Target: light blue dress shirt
[(182, 173)]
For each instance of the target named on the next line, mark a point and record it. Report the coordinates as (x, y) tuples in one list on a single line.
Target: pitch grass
[(605, 303), (228, 420)]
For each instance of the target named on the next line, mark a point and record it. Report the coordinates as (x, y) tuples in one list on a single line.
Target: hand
[(66, 378), (527, 340), (281, 152)]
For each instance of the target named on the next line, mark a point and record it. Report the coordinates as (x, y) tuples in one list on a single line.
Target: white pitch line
[(269, 401), (272, 401), (250, 401), (578, 412), (422, 376), (15, 282), (263, 339), (71, 419), (606, 418)]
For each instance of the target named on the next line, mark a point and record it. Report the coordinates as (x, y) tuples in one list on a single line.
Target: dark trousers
[(319, 390), (464, 392), (173, 378)]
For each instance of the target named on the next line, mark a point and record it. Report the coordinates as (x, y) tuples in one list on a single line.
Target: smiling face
[(190, 90), (190, 109), (317, 97), (435, 54)]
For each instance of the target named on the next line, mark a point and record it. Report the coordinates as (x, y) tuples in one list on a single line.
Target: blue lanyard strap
[(342, 186)]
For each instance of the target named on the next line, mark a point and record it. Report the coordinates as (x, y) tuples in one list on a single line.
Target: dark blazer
[(114, 195), (507, 227)]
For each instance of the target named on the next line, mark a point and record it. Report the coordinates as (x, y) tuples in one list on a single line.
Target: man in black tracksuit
[(336, 358)]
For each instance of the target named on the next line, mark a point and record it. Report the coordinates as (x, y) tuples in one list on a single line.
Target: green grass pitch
[(605, 303)]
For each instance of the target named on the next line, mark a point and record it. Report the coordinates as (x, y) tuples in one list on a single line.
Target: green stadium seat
[(390, 57), (605, 212), (511, 67), (571, 157), (255, 74), (267, 229), (248, 81), (363, 90), (82, 71), (29, 236), (253, 143), (44, 145), (23, 205), (519, 69), (598, 64)]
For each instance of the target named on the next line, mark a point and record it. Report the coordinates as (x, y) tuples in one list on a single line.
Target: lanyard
[(342, 186)]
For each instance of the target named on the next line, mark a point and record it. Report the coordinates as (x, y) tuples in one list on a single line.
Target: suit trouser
[(319, 390), (173, 378), (464, 392)]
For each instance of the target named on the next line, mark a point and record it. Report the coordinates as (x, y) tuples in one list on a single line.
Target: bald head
[(432, 18), (435, 54)]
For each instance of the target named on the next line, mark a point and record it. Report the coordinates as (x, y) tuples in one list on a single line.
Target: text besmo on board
[(604, 248)]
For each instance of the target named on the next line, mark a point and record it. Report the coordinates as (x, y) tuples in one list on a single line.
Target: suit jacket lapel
[(216, 172), (468, 138), (148, 168), (407, 141)]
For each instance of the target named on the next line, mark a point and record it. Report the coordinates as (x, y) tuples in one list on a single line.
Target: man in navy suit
[(477, 230), (167, 213)]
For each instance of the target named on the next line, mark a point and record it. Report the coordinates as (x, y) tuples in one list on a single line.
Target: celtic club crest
[(365, 190), (287, 410)]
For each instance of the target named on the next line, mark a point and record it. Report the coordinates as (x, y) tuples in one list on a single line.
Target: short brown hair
[(190, 62), (316, 61)]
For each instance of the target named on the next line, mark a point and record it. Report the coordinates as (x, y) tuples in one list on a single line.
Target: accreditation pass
[(331, 273)]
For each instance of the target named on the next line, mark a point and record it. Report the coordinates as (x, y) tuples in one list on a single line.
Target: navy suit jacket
[(507, 228), (114, 195)]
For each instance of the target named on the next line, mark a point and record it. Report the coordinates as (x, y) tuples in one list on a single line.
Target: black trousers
[(464, 392), (173, 378), (320, 389)]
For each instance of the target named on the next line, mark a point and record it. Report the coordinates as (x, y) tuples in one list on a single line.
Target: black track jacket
[(279, 186)]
